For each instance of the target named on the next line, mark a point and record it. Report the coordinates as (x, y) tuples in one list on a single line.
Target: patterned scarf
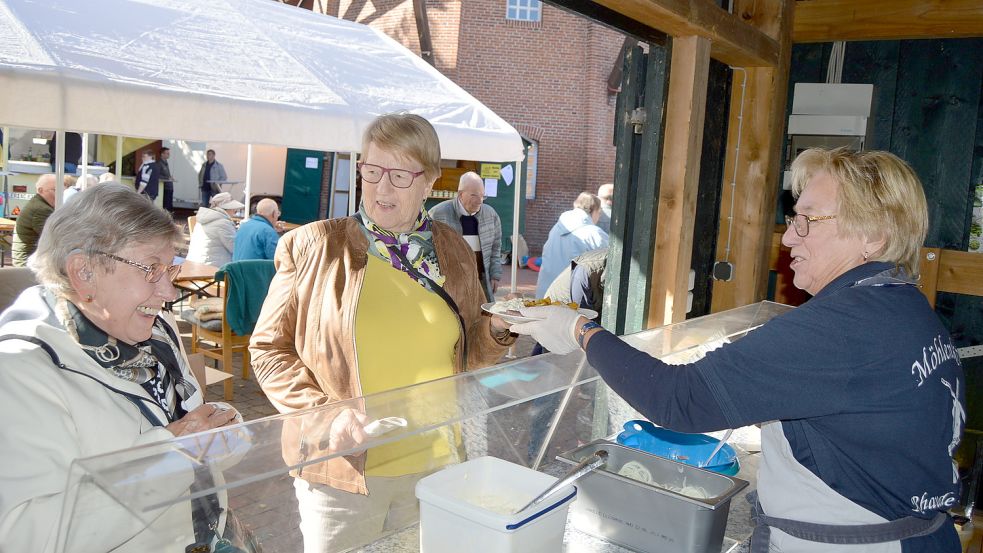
[(416, 247), (153, 364)]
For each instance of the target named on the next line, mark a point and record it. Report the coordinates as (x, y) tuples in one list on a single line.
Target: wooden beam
[(961, 272), (745, 236), (733, 41), (928, 281), (829, 20), (689, 71)]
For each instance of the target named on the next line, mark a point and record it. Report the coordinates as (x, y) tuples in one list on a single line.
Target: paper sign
[(491, 170), (491, 188), (507, 174), (310, 163)]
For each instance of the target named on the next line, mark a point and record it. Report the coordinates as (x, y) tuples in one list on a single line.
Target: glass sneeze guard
[(525, 411)]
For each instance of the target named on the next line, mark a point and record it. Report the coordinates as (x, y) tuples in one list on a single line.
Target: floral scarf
[(415, 246)]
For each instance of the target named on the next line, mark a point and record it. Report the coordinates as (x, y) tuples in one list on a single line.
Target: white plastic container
[(466, 508)]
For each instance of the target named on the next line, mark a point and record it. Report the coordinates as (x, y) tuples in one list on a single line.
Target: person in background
[(480, 226), (73, 152), (79, 185), (148, 177), (574, 233), (605, 193), (211, 172), (31, 220), (164, 169), (107, 177), (383, 299), (860, 391), (257, 236), (213, 238), (105, 271)]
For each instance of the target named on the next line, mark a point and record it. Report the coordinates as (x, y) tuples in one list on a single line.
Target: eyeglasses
[(800, 222), (400, 178), (154, 271)]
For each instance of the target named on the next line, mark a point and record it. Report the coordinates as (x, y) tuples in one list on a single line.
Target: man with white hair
[(31, 220), (257, 238), (606, 193), (480, 226)]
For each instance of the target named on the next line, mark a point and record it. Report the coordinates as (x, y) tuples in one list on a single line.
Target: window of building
[(532, 157), (524, 10)]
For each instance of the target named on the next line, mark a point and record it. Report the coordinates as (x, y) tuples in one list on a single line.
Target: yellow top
[(404, 335)]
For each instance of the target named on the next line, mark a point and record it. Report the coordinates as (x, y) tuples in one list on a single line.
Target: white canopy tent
[(246, 71)]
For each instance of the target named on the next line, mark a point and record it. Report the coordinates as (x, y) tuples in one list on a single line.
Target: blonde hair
[(409, 135), (879, 196), (588, 202)]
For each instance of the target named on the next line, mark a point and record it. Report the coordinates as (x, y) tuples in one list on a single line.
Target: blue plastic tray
[(691, 449)]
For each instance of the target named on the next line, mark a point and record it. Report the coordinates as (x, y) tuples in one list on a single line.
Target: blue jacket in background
[(256, 239)]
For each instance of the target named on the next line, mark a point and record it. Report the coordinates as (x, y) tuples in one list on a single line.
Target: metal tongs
[(592, 462)]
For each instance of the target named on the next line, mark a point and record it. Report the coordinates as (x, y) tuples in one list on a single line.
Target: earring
[(88, 298), (866, 255)]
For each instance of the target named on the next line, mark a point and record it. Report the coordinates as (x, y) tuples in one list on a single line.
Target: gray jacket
[(489, 236)]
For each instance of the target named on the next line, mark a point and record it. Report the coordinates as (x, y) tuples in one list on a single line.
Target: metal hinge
[(637, 119)]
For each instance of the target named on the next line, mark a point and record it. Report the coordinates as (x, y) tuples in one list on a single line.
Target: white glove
[(554, 329)]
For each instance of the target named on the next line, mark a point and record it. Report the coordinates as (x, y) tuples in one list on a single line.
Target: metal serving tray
[(645, 517)]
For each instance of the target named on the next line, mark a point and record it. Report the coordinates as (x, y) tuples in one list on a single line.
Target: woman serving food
[(860, 389)]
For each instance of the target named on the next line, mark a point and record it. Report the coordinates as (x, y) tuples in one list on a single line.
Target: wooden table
[(194, 280), (6, 230)]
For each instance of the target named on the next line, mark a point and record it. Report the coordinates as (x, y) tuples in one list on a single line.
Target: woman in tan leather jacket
[(384, 299)]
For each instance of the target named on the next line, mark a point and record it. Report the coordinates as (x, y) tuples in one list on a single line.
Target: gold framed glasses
[(153, 272), (400, 178), (800, 222)]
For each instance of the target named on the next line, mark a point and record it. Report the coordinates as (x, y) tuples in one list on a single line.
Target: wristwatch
[(591, 325)]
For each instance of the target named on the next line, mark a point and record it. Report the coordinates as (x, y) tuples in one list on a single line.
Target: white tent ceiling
[(247, 71)]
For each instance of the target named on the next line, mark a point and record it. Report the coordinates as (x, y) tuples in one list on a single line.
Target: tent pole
[(6, 167), (249, 178), (59, 168), (351, 182), (85, 157), (515, 222), (119, 158)]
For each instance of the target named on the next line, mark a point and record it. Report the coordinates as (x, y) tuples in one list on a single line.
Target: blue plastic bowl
[(691, 449)]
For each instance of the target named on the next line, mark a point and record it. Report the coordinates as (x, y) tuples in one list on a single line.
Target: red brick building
[(547, 78)]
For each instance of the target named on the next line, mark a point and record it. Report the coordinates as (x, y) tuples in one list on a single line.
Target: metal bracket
[(637, 119), (970, 351)]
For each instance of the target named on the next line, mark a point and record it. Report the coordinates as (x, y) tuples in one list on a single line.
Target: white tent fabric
[(247, 71)]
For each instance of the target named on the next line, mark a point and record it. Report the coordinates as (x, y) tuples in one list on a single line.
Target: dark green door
[(302, 186)]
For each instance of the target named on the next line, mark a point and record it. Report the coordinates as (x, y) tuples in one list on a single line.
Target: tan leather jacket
[(303, 345)]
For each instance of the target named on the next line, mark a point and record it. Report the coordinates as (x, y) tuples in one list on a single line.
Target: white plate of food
[(509, 309)]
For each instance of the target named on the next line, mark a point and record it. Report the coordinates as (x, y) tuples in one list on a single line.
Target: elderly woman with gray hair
[(89, 364)]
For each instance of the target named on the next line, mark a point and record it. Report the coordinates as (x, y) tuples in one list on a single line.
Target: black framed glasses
[(154, 271), (800, 222), (400, 178)]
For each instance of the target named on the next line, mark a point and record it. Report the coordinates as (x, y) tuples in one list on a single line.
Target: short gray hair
[(107, 218), (588, 202)]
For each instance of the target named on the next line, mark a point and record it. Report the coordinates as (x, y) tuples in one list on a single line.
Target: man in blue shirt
[(257, 237)]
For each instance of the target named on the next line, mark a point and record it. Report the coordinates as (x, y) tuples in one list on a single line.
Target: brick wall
[(547, 79)]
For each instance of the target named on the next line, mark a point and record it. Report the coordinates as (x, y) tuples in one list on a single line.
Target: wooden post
[(683, 143), (756, 186)]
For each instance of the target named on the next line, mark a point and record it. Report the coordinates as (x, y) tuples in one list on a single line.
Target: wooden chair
[(245, 287)]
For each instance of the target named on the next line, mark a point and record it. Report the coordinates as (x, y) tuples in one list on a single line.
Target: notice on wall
[(507, 175), (310, 163), (491, 170), (491, 188)]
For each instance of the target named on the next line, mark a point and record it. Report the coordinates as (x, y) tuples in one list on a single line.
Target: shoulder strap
[(139, 402)]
